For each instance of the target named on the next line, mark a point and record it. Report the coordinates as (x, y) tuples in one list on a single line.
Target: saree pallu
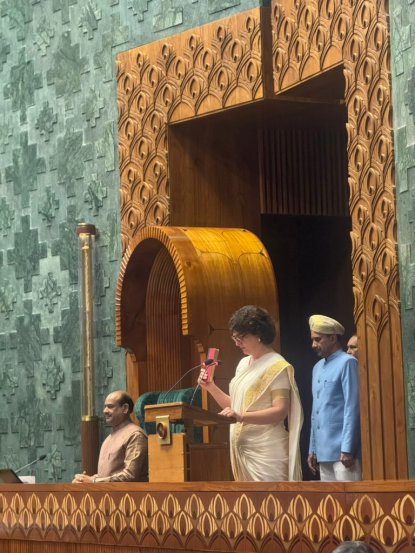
[(265, 452)]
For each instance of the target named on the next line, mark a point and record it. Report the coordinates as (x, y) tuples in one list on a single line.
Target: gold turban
[(325, 325)]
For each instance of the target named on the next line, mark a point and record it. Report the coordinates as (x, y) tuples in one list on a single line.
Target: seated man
[(124, 453)]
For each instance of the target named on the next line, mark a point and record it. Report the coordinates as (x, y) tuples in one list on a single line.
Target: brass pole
[(89, 420)]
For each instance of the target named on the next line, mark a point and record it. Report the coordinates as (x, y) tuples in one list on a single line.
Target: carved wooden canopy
[(257, 56), (178, 283)]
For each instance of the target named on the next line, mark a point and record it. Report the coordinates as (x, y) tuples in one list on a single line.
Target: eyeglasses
[(238, 338)]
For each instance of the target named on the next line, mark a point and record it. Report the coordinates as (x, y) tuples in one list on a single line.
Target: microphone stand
[(40, 458), (194, 393), (209, 361)]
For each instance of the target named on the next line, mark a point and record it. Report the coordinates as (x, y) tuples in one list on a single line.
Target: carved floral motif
[(214, 69), (199, 519)]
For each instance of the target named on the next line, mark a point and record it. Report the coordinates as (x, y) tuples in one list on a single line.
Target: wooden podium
[(175, 457)]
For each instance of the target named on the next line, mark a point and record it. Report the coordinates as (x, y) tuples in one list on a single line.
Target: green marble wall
[(402, 19), (58, 167)]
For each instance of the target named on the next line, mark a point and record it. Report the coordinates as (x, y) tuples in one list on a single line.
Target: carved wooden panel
[(308, 37), (255, 517), (210, 68)]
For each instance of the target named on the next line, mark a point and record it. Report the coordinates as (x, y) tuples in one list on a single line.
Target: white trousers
[(337, 472)]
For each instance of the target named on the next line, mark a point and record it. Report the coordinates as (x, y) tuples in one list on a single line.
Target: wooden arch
[(255, 56), (198, 276)]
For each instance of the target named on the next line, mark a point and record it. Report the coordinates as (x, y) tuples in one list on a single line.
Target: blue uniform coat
[(335, 418)]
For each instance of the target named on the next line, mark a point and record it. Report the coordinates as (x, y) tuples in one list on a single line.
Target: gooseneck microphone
[(40, 458), (207, 362)]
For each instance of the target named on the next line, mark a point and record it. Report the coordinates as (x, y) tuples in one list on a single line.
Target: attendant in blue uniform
[(335, 447)]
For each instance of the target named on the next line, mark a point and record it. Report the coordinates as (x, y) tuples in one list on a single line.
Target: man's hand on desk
[(83, 479)]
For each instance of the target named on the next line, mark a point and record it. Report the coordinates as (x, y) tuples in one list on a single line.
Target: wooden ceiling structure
[(258, 59)]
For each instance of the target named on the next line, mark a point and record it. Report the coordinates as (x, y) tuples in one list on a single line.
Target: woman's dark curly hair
[(251, 319)]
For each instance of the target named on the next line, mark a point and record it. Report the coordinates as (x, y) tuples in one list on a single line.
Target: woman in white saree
[(263, 393)]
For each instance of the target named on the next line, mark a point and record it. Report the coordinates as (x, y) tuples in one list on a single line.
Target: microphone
[(40, 458), (207, 362)]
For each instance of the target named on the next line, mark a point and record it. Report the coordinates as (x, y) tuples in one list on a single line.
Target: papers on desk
[(28, 479)]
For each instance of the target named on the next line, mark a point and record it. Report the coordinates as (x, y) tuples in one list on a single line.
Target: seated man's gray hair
[(353, 547)]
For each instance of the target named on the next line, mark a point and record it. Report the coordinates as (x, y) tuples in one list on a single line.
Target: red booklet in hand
[(213, 354)]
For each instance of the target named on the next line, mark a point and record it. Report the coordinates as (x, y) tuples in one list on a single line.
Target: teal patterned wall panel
[(403, 86), (58, 167)]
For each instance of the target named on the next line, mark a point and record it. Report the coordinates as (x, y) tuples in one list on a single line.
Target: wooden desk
[(183, 460), (195, 516)]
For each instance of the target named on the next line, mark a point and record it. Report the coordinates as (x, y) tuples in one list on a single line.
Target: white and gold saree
[(265, 452)]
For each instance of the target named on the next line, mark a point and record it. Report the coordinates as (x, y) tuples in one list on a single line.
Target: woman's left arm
[(271, 415)]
